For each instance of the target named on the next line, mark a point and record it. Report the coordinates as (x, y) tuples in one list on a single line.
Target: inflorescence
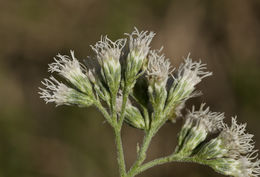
[(138, 86)]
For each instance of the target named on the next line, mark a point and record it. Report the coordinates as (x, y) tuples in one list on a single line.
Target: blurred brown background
[(38, 140)]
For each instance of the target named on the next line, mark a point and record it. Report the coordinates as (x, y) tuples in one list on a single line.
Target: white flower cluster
[(198, 124), (230, 153), (237, 148), (136, 85)]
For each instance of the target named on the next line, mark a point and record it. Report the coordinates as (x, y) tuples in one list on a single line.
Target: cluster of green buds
[(130, 83)]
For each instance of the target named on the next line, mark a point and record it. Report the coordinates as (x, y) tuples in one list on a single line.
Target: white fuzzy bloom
[(235, 140), (159, 68), (108, 52), (243, 166), (139, 44), (72, 70), (190, 74), (205, 119), (248, 166), (61, 94)]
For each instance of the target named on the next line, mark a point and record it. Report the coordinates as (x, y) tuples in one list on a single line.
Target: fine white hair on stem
[(139, 42), (235, 139), (158, 68), (211, 121), (106, 49)]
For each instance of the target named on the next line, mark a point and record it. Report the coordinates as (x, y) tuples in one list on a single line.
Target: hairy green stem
[(122, 116), (142, 153), (113, 107), (117, 128), (120, 152), (160, 161), (146, 142)]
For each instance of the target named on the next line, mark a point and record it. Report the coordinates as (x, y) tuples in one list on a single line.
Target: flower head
[(61, 94), (139, 44), (248, 166), (108, 55), (244, 166), (232, 142), (204, 118), (158, 69), (231, 153), (109, 52), (158, 72), (191, 73), (197, 126), (136, 61), (188, 76), (71, 70), (235, 139)]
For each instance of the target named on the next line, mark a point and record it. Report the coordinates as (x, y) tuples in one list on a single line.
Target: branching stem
[(117, 129)]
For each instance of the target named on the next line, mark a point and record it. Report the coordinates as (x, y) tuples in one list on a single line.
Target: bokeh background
[(39, 140)]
